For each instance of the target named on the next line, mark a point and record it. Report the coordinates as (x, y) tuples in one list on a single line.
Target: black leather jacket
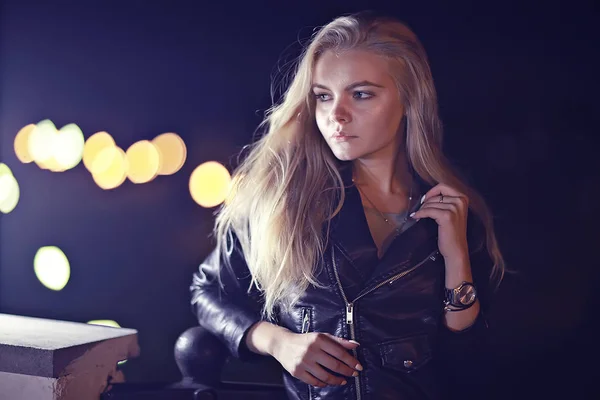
[(392, 307)]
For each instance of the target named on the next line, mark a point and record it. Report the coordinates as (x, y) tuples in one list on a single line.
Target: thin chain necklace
[(382, 215)]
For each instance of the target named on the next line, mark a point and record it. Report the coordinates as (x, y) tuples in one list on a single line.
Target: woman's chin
[(345, 155)]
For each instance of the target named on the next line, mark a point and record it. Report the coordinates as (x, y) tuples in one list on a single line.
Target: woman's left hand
[(449, 208)]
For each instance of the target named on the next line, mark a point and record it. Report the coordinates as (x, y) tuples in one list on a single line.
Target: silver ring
[(441, 198)]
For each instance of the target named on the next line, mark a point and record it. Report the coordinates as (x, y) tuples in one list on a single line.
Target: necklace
[(382, 215)]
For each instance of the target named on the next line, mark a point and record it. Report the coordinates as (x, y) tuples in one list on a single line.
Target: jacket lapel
[(352, 237), (412, 246), (350, 234)]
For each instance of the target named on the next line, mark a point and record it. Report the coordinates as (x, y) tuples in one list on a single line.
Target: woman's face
[(358, 107)]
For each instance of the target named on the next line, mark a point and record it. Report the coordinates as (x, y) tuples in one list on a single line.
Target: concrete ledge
[(60, 360)]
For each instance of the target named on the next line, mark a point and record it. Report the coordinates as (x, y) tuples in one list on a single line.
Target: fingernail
[(423, 198), (355, 342), (343, 383), (358, 367), (412, 215), (355, 374)]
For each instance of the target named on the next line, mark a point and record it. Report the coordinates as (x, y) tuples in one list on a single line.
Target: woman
[(346, 249)]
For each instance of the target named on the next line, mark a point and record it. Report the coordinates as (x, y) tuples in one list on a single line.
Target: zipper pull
[(305, 321), (349, 313)]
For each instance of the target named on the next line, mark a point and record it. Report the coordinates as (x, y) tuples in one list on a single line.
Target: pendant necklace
[(382, 215)]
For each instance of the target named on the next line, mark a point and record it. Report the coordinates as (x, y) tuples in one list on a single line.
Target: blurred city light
[(52, 149), (105, 322), (60, 150), (41, 139), (172, 152), (68, 146), (21, 144), (109, 168), (93, 146), (9, 189), (52, 267), (209, 184), (143, 161)]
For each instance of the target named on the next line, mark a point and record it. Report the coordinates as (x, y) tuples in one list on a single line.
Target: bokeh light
[(105, 322), (172, 152), (52, 149), (21, 144), (9, 190), (52, 267), (93, 146), (209, 184), (143, 162), (4, 169), (60, 150), (41, 139), (50, 164), (109, 168), (68, 146)]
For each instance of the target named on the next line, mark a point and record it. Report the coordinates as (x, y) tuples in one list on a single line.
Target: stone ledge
[(70, 359)]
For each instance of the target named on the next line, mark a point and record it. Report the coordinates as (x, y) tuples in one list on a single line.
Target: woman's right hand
[(305, 355)]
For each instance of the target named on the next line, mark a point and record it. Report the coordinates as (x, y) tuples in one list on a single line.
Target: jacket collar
[(351, 235)]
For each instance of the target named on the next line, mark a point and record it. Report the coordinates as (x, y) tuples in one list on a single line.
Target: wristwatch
[(461, 297)]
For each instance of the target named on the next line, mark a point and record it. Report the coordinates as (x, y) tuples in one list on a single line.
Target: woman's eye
[(362, 95), (322, 96)]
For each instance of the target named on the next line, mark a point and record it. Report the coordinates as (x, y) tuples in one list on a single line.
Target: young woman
[(349, 249)]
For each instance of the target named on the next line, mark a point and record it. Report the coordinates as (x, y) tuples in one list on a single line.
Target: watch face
[(466, 295)]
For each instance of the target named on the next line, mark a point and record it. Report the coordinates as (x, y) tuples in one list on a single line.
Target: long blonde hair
[(288, 187)]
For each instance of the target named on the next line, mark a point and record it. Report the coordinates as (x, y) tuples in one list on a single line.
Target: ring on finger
[(441, 198)]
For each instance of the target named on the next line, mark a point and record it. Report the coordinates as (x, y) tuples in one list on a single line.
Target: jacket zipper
[(350, 304), (305, 320)]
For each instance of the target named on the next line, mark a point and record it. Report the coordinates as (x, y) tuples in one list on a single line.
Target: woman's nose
[(339, 114)]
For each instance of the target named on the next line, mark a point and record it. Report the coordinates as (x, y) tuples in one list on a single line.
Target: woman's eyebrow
[(350, 86)]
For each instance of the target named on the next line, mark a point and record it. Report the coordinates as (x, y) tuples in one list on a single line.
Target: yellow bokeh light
[(21, 144), (93, 146), (9, 190), (52, 149), (4, 169), (50, 164), (41, 140), (111, 163), (209, 184), (68, 146), (142, 162), (172, 152), (52, 267), (105, 322)]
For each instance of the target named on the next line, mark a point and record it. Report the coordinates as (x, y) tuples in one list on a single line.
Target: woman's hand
[(449, 208), (305, 355)]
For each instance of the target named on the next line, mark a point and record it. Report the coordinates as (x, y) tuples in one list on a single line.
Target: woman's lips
[(342, 137)]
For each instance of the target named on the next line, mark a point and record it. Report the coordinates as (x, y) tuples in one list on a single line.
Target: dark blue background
[(517, 85)]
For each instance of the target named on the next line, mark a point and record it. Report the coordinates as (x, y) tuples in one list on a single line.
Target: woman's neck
[(386, 175)]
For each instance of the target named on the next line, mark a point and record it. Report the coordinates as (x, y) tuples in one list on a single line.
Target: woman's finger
[(335, 365), (318, 372), (445, 190), (333, 348), (441, 206), (438, 214), (306, 377), (444, 199)]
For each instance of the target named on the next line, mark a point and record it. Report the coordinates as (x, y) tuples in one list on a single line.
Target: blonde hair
[(288, 187)]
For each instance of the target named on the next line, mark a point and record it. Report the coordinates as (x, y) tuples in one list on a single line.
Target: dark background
[(518, 96)]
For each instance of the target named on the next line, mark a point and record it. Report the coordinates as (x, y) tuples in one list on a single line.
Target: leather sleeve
[(463, 355), (222, 304)]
